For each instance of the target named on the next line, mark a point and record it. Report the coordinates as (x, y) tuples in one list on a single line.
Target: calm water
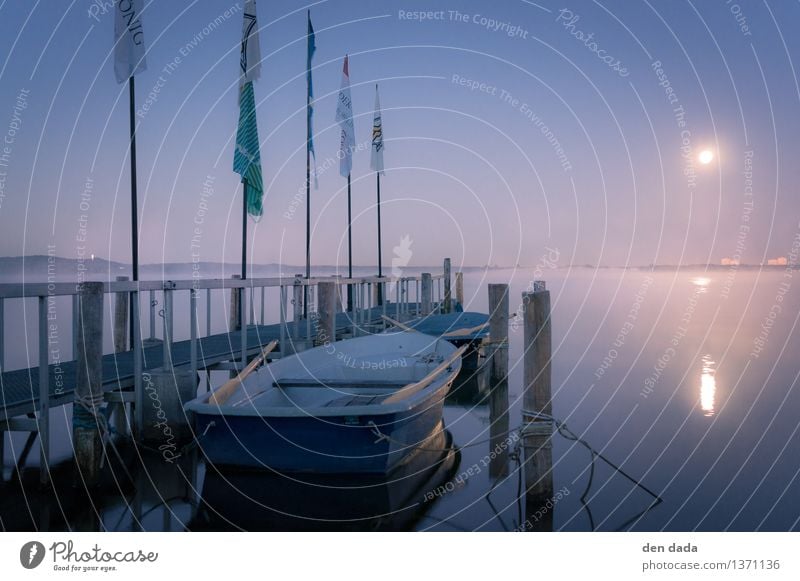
[(687, 380)]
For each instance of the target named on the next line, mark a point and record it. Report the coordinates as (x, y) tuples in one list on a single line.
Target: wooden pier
[(27, 395)]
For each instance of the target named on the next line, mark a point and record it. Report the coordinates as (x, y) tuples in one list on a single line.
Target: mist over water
[(684, 378)]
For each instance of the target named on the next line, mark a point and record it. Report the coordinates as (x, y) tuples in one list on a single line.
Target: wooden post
[(498, 332), (326, 313), (121, 320), (497, 349), (119, 415), (89, 382), (448, 307), (43, 423), (236, 297), (537, 397), (460, 288), (297, 303), (339, 295), (427, 294)]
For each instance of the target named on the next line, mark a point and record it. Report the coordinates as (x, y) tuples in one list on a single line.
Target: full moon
[(706, 156)]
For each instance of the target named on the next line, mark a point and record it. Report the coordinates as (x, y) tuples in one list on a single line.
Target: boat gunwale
[(199, 406)]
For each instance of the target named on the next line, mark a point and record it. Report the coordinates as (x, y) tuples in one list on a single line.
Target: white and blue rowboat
[(460, 328), (357, 406)]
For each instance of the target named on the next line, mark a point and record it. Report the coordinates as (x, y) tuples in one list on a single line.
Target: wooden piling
[(236, 297), (498, 332), (426, 304), (297, 304), (121, 330), (497, 350), (447, 299), (89, 382), (460, 288), (339, 295), (326, 313), (537, 397)]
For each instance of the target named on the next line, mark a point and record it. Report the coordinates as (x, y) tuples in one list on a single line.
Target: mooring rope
[(568, 434)]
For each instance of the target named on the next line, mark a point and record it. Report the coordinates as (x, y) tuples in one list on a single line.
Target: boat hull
[(373, 443)]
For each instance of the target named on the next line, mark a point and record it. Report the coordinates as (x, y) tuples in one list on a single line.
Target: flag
[(128, 40), (312, 47), (246, 156), (376, 158), (250, 59), (344, 116)]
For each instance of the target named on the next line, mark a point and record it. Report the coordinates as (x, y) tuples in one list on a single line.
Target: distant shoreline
[(18, 263)]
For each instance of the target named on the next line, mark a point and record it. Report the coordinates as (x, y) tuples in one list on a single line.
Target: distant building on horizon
[(780, 261)]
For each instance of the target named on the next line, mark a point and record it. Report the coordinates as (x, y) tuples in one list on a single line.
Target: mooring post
[(167, 326), (193, 330), (282, 315), (326, 313), (121, 319), (138, 390), (448, 307), (427, 294), (537, 396), (499, 436), (236, 297), (498, 332), (297, 303), (121, 334), (43, 423), (339, 295), (89, 382), (460, 288)]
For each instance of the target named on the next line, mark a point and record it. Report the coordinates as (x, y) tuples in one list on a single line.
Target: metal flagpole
[(244, 228), (380, 253), (308, 209), (134, 205), (349, 248), (308, 172)]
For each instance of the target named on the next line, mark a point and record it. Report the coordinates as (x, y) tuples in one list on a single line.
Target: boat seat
[(348, 400), (335, 383)]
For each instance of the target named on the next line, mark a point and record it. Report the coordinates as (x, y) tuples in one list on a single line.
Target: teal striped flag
[(247, 158)]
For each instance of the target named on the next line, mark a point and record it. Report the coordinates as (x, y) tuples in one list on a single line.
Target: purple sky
[(566, 141)]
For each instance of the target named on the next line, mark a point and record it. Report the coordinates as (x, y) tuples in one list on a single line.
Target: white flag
[(250, 59), (344, 116), (376, 159), (129, 39)]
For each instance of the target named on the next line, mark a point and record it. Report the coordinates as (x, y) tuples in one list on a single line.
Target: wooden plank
[(221, 395), (413, 388)]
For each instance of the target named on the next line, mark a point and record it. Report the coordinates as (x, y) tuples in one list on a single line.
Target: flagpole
[(380, 253), (134, 205), (308, 209), (308, 178), (244, 228), (349, 248)]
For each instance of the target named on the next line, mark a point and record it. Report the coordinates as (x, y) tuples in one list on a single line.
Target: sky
[(514, 131)]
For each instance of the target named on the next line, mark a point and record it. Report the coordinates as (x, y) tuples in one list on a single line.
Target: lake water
[(685, 379)]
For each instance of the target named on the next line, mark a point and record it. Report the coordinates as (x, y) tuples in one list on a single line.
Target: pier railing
[(248, 304)]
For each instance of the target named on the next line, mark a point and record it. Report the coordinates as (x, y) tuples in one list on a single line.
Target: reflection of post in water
[(498, 379), (537, 408), (165, 485)]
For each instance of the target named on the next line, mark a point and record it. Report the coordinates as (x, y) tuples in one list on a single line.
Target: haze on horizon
[(510, 129)]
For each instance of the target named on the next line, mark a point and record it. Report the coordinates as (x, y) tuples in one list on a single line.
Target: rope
[(88, 415), (568, 434)]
